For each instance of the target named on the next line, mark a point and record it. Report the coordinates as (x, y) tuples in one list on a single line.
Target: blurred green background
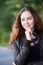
[(9, 10)]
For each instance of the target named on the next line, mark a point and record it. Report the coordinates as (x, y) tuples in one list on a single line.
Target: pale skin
[(27, 22), (14, 63)]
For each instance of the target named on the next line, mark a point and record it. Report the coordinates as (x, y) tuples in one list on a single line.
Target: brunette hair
[(17, 27)]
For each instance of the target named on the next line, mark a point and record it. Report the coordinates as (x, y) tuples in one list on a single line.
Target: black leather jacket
[(22, 53)]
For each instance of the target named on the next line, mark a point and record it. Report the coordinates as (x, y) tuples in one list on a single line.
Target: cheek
[(31, 22), (22, 23)]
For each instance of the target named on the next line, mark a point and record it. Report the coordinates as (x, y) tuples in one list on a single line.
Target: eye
[(22, 19), (29, 18)]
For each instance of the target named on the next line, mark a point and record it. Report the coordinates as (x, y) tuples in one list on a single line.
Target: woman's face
[(27, 20)]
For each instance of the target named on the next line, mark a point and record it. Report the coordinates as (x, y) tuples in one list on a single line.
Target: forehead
[(26, 14)]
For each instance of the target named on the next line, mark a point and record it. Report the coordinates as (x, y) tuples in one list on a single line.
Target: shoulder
[(41, 37), (18, 42)]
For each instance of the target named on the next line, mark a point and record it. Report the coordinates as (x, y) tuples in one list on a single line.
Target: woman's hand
[(14, 63), (29, 34)]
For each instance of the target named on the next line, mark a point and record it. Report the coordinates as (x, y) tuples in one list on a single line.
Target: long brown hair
[(17, 27)]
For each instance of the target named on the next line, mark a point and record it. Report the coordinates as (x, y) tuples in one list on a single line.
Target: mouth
[(27, 25)]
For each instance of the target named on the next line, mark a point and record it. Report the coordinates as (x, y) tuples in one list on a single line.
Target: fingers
[(14, 63), (28, 36)]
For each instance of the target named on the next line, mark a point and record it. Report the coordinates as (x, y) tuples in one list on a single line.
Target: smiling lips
[(28, 25)]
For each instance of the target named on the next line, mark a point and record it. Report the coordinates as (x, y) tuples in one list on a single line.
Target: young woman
[(26, 39)]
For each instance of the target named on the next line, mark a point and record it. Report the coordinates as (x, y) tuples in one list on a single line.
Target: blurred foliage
[(9, 10)]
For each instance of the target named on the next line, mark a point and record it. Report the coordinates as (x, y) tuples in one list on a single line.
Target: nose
[(26, 21)]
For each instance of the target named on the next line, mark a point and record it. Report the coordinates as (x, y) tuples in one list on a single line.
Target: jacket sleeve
[(20, 56), (36, 63)]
